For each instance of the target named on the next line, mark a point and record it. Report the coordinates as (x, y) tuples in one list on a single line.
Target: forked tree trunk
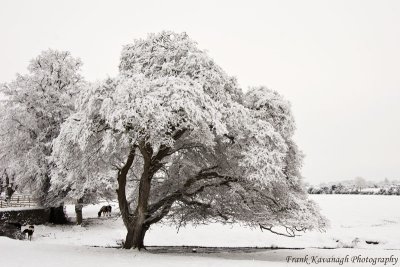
[(136, 223), (122, 201), (136, 235)]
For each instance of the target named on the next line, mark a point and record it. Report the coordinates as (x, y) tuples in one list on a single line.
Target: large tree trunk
[(43, 192), (78, 211), (136, 236), (136, 223), (9, 192), (138, 240), (122, 201)]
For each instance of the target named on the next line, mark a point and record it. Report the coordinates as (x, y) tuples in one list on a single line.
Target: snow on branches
[(185, 143), (35, 105), (175, 136)]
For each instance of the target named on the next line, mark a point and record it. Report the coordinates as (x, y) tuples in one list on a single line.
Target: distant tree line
[(358, 186)]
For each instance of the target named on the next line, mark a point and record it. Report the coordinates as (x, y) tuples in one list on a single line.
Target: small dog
[(29, 231), (106, 210)]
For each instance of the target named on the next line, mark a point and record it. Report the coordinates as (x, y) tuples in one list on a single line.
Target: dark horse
[(29, 231), (106, 210)]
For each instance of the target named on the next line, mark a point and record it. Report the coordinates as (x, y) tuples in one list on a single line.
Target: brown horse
[(106, 210)]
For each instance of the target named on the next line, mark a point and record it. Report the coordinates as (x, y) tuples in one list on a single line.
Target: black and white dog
[(106, 210), (29, 231)]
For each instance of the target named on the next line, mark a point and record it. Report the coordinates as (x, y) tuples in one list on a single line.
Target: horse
[(29, 231), (106, 210)]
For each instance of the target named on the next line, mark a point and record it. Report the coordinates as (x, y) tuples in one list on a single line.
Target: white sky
[(338, 62)]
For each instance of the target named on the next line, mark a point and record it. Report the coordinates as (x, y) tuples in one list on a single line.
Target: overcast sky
[(338, 62)]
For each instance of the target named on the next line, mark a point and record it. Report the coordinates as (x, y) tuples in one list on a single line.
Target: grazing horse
[(106, 210), (29, 231)]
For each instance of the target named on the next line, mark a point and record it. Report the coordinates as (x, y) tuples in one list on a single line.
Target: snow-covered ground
[(354, 220)]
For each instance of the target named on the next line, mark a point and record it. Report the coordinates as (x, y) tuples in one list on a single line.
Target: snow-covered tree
[(33, 108), (177, 138), (7, 181)]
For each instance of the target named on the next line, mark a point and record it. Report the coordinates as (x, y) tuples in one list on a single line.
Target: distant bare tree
[(360, 183)]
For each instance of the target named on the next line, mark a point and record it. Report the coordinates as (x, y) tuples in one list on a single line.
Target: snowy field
[(355, 220)]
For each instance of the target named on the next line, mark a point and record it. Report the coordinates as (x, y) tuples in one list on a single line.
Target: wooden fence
[(18, 200)]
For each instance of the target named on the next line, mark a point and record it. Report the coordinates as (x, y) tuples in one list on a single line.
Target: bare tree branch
[(289, 231)]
